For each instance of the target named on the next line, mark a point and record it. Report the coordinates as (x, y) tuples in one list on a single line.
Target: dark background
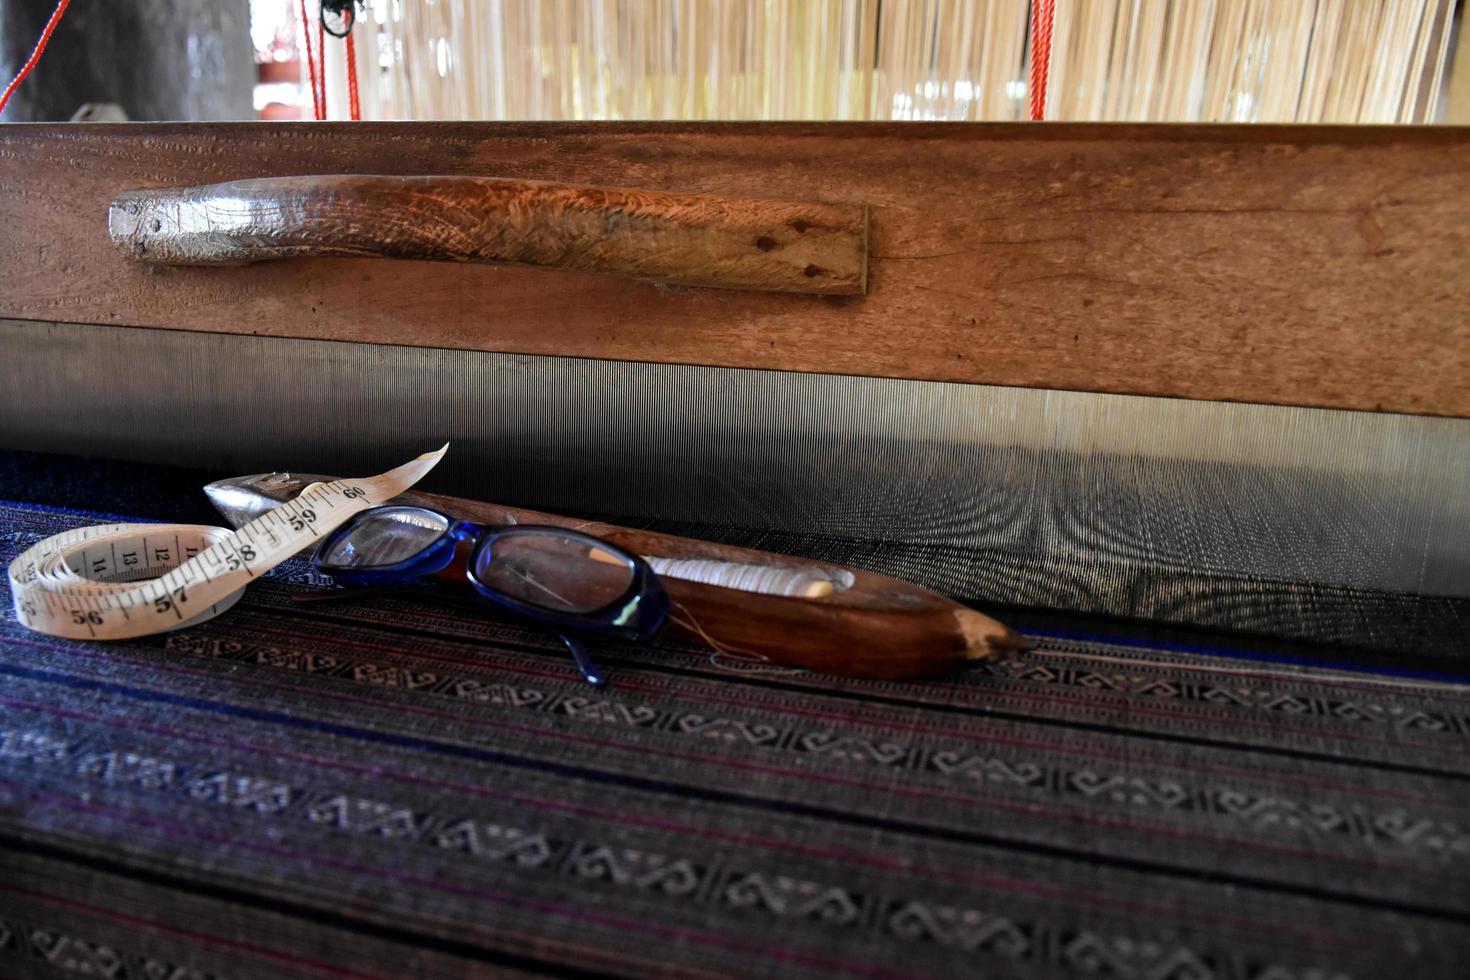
[(180, 59)]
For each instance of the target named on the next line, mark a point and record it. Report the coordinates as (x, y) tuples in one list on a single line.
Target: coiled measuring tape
[(117, 581)]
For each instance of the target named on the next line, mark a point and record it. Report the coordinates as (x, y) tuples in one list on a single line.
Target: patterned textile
[(390, 789)]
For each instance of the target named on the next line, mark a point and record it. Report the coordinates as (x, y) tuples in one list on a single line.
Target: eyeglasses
[(572, 582)]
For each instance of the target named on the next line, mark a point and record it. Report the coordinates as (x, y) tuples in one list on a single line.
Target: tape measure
[(117, 581)]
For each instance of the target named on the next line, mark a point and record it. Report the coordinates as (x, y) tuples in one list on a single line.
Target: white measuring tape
[(116, 581)]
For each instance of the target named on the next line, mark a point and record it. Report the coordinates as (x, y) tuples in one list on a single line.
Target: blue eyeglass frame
[(637, 614)]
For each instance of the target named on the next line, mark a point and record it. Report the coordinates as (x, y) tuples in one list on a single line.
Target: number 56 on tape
[(116, 581)]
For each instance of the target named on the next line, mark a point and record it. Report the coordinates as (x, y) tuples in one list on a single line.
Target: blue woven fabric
[(388, 790)]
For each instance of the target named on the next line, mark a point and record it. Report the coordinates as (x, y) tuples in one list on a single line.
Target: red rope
[(25, 69), (1043, 13), (321, 54), (316, 109), (354, 104)]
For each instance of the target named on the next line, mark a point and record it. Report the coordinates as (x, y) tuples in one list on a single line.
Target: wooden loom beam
[(1317, 266)]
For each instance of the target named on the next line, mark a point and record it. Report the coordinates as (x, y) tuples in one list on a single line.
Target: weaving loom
[(1185, 406)]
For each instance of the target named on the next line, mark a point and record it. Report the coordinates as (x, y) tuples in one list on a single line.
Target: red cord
[(321, 54), (316, 109), (353, 103), (25, 69), (1043, 13)]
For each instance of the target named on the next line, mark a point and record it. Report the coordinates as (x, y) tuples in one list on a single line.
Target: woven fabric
[(388, 789), (1322, 526)]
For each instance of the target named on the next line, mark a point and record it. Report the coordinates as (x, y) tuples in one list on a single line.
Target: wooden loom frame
[(1300, 265)]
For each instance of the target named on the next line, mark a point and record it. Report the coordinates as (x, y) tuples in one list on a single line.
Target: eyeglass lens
[(385, 536), (553, 571)]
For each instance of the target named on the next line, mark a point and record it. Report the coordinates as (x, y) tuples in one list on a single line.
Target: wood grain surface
[(1315, 265), (684, 239)]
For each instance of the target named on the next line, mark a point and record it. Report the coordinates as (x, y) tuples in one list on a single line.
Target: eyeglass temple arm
[(589, 669)]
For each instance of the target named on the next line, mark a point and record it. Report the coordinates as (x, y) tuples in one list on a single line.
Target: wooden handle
[(675, 238), (876, 627)]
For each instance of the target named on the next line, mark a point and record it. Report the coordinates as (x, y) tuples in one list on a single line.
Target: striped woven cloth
[(387, 790)]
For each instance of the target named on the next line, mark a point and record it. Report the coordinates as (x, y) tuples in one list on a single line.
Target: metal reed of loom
[(1306, 523)]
